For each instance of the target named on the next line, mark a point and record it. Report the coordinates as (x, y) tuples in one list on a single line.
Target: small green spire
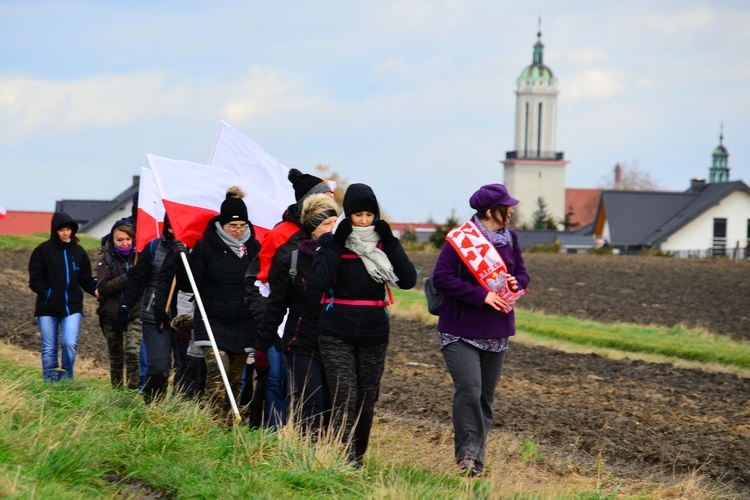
[(719, 171)]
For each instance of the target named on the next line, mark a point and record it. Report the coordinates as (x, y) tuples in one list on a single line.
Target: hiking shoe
[(467, 468)]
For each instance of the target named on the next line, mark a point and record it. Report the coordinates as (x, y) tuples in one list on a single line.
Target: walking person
[(290, 280), (480, 284), (355, 266), (268, 364), (218, 263), (59, 273), (158, 336), (113, 271)]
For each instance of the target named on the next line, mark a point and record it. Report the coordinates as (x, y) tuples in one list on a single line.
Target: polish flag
[(192, 194), (3, 212), (239, 154), (150, 217)]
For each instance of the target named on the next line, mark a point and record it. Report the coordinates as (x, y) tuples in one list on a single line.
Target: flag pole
[(211, 338)]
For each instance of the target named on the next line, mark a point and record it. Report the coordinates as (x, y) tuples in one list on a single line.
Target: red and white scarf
[(484, 261)]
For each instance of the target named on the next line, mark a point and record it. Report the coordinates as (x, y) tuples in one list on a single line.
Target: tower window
[(526, 132), (539, 133)]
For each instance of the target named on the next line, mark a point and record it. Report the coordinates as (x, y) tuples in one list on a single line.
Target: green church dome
[(537, 74)]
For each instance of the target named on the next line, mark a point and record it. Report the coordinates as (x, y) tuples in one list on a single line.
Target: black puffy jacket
[(295, 294), (219, 275), (342, 275)]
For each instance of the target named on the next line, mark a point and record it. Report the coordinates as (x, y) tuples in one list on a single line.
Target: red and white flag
[(150, 217), (3, 212), (262, 175), (192, 194)]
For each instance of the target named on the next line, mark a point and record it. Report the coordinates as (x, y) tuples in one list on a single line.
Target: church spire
[(539, 47), (719, 171)]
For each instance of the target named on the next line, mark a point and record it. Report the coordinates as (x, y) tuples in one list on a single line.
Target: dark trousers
[(309, 399), (475, 375), (353, 373), (159, 354)]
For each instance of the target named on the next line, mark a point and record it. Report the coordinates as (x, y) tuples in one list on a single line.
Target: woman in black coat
[(218, 263), (290, 280), (355, 266)]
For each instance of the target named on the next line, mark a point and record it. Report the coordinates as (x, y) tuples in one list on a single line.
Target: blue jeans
[(275, 410), (48, 329)]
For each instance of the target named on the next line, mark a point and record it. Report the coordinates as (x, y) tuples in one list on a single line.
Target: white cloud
[(29, 105), (673, 23), (592, 84), (396, 69), (264, 93), (586, 55)]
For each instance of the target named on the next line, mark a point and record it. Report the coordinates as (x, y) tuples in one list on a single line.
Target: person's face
[(122, 239), (64, 233), (511, 211), (325, 227), (362, 219), (235, 229)]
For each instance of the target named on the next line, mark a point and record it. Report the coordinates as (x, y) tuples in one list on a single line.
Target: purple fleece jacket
[(463, 312)]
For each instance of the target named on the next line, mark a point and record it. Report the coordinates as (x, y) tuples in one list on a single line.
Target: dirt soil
[(647, 420)]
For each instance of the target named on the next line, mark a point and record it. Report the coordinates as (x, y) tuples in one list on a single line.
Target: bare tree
[(629, 178), (342, 183)]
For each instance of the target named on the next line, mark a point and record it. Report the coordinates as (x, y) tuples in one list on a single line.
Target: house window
[(720, 237)]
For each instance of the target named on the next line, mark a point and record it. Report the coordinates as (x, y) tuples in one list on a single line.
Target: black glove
[(162, 318), (384, 230), (179, 247), (120, 323), (343, 231)]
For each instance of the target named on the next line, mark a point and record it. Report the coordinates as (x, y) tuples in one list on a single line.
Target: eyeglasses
[(236, 227)]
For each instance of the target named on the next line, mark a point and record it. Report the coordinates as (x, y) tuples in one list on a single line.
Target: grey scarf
[(363, 241), (237, 246)]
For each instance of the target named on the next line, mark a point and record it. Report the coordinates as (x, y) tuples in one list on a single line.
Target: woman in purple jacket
[(474, 331)]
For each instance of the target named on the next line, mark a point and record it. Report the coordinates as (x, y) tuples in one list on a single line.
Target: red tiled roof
[(20, 222), (583, 203)]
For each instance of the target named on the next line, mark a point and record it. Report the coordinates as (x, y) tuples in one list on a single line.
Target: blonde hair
[(314, 210)]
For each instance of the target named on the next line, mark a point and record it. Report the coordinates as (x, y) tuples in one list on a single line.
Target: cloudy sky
[(414, 97)]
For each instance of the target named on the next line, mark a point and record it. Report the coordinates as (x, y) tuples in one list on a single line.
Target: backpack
[(434, 296)]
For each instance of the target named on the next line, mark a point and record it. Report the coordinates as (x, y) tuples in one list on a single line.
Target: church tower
[(719, 171), (535, 169)]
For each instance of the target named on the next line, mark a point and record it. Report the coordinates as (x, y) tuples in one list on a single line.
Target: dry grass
[(84, 368), (396, 442)]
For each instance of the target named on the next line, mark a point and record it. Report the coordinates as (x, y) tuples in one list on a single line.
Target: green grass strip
[(676, 342)]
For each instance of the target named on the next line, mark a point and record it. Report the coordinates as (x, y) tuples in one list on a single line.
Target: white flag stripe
[(238, 153)]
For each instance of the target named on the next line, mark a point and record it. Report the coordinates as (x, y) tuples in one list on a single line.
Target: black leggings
[(353, 373)]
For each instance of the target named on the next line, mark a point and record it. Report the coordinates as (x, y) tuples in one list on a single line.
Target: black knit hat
[(306, 184), (233, 209)]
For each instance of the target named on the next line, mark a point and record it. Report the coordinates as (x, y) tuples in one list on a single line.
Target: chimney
[(697, 184), (618, 176)]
